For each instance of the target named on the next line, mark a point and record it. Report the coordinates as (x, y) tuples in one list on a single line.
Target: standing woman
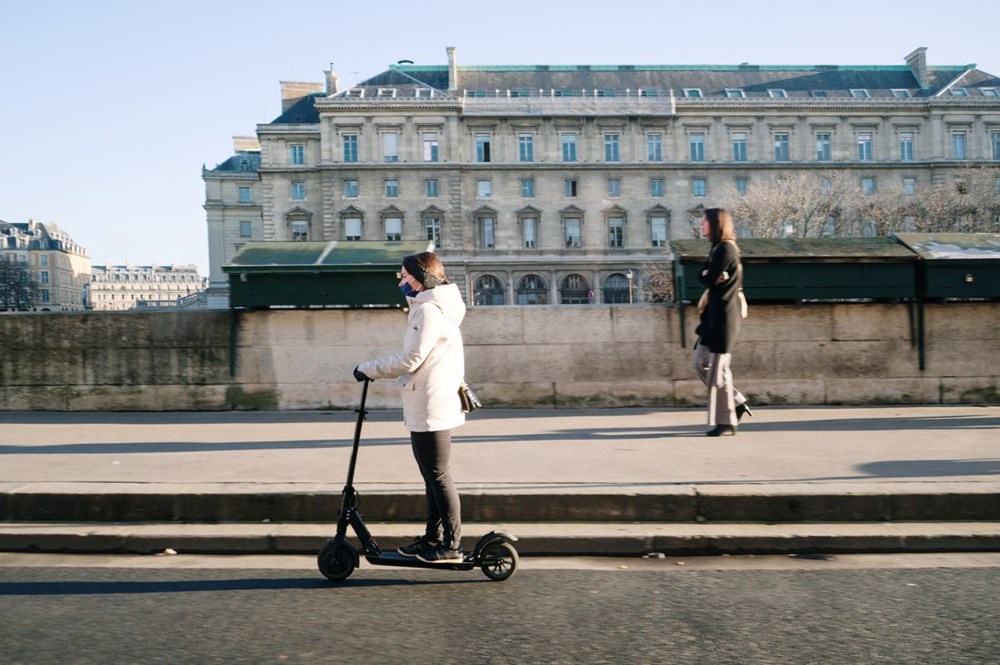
[(430, 369), (722, 276)]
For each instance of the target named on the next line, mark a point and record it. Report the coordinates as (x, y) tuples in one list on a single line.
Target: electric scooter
[(494, 553)]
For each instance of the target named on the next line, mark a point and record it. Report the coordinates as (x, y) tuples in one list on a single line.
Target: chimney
[(452, 69), (246, 144), (918, 63), (332, 82), (293, 91)]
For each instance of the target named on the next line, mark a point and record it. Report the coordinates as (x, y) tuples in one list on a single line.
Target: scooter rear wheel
[(498, 560), (337, 562)]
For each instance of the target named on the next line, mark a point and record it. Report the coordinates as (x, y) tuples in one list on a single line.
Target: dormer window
[(735, 93), (355, 92), (692, 92), (386, 92), (819, 93), (860, 93), (989, 92), (900, 94), (423, 92), (959, 92), (777, 92)]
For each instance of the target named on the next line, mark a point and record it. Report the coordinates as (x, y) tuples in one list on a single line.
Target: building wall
[(540, 356)]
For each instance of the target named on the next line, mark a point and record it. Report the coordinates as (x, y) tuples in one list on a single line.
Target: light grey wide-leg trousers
[(714, 371)]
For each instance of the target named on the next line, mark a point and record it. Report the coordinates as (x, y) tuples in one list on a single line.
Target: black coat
[(720, 322)]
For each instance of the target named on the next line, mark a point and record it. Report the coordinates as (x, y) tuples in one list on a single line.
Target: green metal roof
[(953, 245), (332, 256), (803, 249)]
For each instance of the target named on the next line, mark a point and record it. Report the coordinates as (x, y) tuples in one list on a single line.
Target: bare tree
[(18, 288)]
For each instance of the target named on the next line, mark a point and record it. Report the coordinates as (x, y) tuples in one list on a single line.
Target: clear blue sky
[(109, 108)]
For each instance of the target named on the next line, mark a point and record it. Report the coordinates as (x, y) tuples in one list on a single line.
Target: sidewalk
[(892, 478)]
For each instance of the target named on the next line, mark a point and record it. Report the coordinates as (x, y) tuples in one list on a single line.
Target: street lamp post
[(628, 276)]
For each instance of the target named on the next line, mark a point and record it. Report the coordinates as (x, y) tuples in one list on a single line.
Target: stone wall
[(539, 356)]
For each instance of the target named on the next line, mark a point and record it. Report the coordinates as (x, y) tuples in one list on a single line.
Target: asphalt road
[(609, 611)]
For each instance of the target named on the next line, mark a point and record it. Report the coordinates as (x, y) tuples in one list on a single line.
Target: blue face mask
[(408, 290)]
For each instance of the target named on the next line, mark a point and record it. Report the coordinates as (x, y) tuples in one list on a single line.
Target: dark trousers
[(432, 450)]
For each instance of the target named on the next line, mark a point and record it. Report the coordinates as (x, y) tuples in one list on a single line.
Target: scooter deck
[(397, 559)]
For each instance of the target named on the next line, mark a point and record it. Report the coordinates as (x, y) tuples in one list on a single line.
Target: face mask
[(408, 290)]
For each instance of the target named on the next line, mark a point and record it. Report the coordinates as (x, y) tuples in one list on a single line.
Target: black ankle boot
[(743, 410), (722, 430)]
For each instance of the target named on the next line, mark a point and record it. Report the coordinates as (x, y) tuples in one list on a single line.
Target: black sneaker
[(440, 555), (419, 545)]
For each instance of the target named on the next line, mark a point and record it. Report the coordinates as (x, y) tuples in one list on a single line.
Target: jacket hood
[(448, 298)]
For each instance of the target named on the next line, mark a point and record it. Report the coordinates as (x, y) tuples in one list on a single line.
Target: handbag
[(469, 398)]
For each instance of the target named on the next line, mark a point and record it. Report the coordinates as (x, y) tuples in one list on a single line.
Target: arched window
[(574, 290), (616, 288), (531, 290), (488, 291)]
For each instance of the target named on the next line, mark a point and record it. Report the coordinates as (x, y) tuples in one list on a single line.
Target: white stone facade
[(60, 266), (117, 288)]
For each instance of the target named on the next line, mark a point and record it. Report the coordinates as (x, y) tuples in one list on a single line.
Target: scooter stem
[(357, 434)]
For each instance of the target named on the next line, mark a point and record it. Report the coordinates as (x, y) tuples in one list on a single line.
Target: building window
[(959, 92), (432, 229), (859, 93), (393, 229), (900, 93), (350, 189), (574, 290), (616, 232), (300, 231), (742, 185), (488, 291), (735, 93), (906, 146), (868, 186), (699, 187), (658, 231), (484, 189), (483, 148), (529, 232), (909, 186), (865, 146), (570, 188), (487, 231), (352, 228), (245, 195), (246, 229), (739, 141), (296, 152), (430, 146), (777, 93), (43, 260), (614, 187), (654, 147), (528, 188), (696, 144), (958, 145), (431, 188), (616, 289), (531, 290), (45, 296), (995, 142), (298, 191), (656, 187), (693, 93), (526, 148), (44, 276), (390, 146), (391, 188), (571, 231), (568, 142), (781, 149), (612, 148), (989, 92), (823, 142), (350, 147)]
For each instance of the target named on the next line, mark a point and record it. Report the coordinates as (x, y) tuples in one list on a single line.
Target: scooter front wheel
[(337, 562), (498, 560)]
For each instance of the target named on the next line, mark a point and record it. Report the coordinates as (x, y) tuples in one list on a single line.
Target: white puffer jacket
[(431, 365)]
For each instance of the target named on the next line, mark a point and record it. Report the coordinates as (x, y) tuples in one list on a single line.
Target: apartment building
[(124, 287), (59, 266), (564, 183)]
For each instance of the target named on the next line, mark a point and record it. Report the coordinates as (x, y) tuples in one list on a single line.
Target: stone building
[(60, 267), (563, 184), (116, 288)]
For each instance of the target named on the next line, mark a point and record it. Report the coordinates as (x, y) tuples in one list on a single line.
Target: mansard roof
[(241, 162)]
